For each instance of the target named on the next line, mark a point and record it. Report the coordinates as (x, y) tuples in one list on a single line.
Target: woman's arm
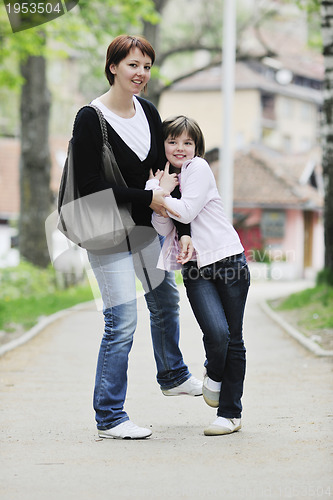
[(87, 146)]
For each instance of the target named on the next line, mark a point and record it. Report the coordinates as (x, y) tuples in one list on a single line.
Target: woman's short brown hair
[(120, 47), (175, 126)]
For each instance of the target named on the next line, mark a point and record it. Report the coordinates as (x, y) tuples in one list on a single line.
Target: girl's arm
[(196, 182), (163, 225)]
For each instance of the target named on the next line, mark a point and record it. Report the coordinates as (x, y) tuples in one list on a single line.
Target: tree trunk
[(35, 162), (327, 129), (152, 33)]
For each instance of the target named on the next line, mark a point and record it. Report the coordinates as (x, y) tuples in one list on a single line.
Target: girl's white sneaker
[(211, 396), (223, 426)]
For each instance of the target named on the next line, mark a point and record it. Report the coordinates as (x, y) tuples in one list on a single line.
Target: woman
[(134, 131)]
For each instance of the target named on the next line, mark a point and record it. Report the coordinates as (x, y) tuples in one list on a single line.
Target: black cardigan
[(87, 145)]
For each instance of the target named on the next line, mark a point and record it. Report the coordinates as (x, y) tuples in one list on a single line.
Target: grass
[(314, 306), (25, 311), (28, 292), (310, 311)]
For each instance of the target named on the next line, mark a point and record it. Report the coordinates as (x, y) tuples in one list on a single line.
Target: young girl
[(216, 278)]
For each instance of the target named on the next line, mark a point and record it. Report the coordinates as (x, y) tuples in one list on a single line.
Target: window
[(286, 143), (287, 108)]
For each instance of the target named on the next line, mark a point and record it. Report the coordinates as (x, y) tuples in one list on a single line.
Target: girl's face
[(179, 149), (132, 73)]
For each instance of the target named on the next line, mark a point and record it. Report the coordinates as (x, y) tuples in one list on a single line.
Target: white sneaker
[(125, 430), (191, 387), (223, 426), (211, 397)]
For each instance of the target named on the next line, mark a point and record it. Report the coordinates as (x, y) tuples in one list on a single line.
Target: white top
[(213, 236), (134, 131)]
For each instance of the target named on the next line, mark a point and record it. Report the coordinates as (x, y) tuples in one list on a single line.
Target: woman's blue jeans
[(115, 274), (217, 294)]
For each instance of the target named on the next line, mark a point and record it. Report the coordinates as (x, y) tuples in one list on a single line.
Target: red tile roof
[(267, 179)]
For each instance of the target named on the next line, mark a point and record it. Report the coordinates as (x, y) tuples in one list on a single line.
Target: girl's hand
[(186, 249), (158, 204), (158, 174), (168, 182)]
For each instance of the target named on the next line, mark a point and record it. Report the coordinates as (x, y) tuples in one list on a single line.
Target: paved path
[(49, 446)]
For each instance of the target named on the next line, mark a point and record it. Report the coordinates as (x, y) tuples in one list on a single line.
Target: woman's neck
[(118, 102)]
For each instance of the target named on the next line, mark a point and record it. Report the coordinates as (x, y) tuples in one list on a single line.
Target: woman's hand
[(168, 182), (186, 249), (158, 203)]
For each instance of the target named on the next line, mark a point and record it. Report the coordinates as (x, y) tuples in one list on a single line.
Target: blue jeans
[(115, 274), (217, 294)]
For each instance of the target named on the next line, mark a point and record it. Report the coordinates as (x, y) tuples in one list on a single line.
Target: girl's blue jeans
[(217, 294), (115, 274)]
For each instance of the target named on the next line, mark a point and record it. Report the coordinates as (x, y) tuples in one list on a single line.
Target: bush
[(26, 279), (325, 277), (28, 292)]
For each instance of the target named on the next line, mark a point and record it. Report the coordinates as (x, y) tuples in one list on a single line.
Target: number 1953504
[(34, 8)]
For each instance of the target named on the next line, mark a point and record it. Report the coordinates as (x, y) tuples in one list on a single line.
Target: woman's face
[(179, 149), (133, 72)]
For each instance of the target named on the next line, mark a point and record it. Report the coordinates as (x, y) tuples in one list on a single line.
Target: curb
[(41, 325), (304, 341), (44, 322)]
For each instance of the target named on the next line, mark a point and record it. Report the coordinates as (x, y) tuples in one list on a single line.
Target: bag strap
[(106, 143), (101, 121)]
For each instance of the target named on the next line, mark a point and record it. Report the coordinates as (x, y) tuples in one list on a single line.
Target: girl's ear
[(112, 69)]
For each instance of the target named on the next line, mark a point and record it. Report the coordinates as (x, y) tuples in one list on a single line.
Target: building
[(278, 189), (10, 191), (278, 202)]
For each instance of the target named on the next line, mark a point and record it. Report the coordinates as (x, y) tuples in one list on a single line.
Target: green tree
[(327, 130), (323, 10), (199, 31), (89, 24)]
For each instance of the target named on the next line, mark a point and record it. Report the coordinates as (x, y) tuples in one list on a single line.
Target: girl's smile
[(179, 149)]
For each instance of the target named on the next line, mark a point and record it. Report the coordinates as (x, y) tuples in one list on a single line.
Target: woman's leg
[(116, 279), (162, 299)]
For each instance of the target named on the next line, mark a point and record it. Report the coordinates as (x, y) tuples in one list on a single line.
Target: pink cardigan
[(213, 236)]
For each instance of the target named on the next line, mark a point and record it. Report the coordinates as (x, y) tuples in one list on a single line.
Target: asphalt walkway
[(50, 450)]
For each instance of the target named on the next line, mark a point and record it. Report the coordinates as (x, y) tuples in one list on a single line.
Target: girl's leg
[(116, 279), (217, 294), (208, 310), (233, 279)]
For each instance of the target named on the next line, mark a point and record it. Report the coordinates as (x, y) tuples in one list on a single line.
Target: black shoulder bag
[(95, 221)]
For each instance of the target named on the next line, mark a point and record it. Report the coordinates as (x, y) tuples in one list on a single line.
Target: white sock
[(213, 386)]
